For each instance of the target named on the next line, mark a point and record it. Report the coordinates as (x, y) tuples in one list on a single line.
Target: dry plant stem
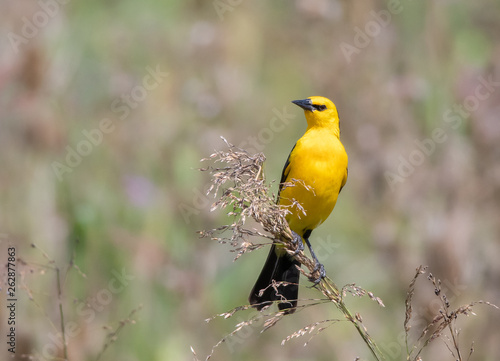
[(248, 196), (61, 313), (330, 290), (112, 336), (59, 297), (444, 320), (408, 305)]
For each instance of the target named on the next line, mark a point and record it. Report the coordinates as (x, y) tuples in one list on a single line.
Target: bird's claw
[(297, 241), (321, 274)]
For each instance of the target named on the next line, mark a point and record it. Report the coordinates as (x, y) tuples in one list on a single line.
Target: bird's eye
[(320, 107)]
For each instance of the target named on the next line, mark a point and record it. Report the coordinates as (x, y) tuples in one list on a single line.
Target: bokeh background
[(144, 90)]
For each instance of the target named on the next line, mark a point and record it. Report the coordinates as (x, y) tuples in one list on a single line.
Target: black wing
[(284, 173), (345, 179)]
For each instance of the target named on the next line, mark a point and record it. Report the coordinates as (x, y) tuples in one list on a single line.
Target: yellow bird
[(317, 168)]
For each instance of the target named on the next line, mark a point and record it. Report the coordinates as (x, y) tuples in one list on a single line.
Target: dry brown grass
[(443, 324), (239, 186), (29, 271)]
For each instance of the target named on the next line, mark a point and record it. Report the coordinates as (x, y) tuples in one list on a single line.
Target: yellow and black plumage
[(317, 167)]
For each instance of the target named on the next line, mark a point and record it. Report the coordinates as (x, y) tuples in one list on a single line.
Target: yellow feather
[(318, 169)]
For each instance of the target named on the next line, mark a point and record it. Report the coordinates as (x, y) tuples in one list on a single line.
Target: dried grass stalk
[(443, 321), (239, 185)]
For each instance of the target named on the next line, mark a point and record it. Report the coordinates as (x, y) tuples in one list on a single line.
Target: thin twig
[(61, 314)]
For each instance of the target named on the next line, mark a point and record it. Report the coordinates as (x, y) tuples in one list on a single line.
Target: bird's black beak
[(305, 104)]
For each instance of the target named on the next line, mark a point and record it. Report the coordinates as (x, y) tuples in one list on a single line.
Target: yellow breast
[(318, 169)]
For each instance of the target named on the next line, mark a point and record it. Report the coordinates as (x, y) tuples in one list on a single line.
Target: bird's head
[(320, 112)]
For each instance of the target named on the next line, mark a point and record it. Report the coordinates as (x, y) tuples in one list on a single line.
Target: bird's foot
[(320, 269), (297, 242)]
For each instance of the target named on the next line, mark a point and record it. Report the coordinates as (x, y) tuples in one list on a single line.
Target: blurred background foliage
[(134, 203)]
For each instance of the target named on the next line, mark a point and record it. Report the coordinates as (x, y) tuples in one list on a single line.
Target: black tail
[(280, 268)]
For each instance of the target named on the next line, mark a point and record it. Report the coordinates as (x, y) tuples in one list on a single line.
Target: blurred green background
[(107, 107)]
